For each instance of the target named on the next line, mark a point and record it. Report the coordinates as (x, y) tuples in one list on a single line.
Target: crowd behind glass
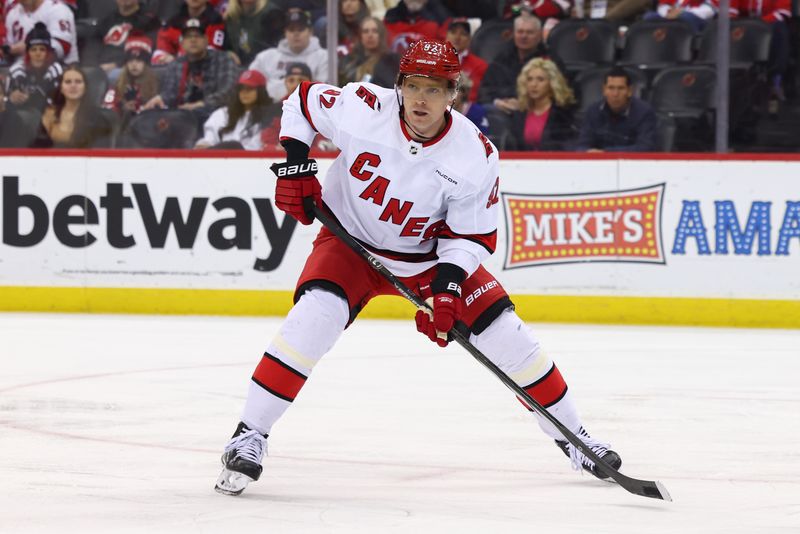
[(549, 75)]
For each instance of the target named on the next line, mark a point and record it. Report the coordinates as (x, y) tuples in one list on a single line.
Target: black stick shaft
[(640, 487)]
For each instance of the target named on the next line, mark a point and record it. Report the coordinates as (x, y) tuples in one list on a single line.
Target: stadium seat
[(749, 44), (99, 9), (490, 38), (583, 43), (665, 133), (588, 85), (654, 45), (685, 91), (174, 128), (88, 43), (96, 84), (30, 120)]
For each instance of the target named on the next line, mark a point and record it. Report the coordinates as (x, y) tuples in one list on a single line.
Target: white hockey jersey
[(411, 204), (60, 23)]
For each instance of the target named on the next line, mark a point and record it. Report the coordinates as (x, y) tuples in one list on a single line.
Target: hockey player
[(419, 190)]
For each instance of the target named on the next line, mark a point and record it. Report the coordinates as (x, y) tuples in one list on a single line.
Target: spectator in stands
[(55, 15), (498, 86), (128, 19), (239, 124), (10, 122), (34, 82), (201, 80), (777, 14), (545, 120), (351, 13), (298, 45), (619, 11), (469, 108), (73, 121), (137, 84), (696, 13), (168, 45), (3, 46), (412, 20), (619, 122), (541, 9), (459, 34), (296, 73), (252, 26), (370, 60)]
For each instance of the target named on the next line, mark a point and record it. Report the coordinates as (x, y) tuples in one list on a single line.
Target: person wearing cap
[(298, 45), (55, 15), (33, 82), (168, 42), (201, 79), (137, 82), (128, 19), (240, 123), (296, 73), (459, 34)]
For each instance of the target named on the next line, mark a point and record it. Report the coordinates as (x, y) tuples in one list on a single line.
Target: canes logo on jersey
[(613, 226)]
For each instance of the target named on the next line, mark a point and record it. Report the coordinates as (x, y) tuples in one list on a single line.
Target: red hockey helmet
[(431, 58)]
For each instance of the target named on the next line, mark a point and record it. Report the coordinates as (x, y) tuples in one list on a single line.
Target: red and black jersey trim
[(408, 257), (487, 241), (278, 378), (549, 389), (304, 88)]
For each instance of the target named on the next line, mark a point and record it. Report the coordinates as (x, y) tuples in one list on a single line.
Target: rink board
[(677, 240)]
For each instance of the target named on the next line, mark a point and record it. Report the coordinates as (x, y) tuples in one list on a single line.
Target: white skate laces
[(249, 445), (578, 459)]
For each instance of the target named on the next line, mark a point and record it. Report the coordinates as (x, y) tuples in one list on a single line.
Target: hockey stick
[(645, 488)]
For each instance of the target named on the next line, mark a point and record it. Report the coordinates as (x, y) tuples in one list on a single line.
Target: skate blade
[(231, 482)]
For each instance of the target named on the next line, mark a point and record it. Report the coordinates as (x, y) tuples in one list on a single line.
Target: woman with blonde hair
[(252, 26), (545, 120)]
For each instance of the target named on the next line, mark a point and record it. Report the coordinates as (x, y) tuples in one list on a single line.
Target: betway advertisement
[(147, 222), (670, 228)]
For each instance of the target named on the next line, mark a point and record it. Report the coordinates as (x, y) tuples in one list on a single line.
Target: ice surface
[(116, 424)]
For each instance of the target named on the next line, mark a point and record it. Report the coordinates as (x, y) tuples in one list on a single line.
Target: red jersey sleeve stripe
[(487, 241), (549, 389), (66, 46), (304, 88), (278, 378)]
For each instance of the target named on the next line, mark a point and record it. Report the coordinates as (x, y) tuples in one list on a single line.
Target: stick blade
[(647, 488)]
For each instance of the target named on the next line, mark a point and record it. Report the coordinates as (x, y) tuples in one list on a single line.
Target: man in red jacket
[(168, 45), (412, 20), (460, 35)]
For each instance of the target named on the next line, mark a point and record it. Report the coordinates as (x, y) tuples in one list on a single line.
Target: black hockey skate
[(241, 460), (580, 461)]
